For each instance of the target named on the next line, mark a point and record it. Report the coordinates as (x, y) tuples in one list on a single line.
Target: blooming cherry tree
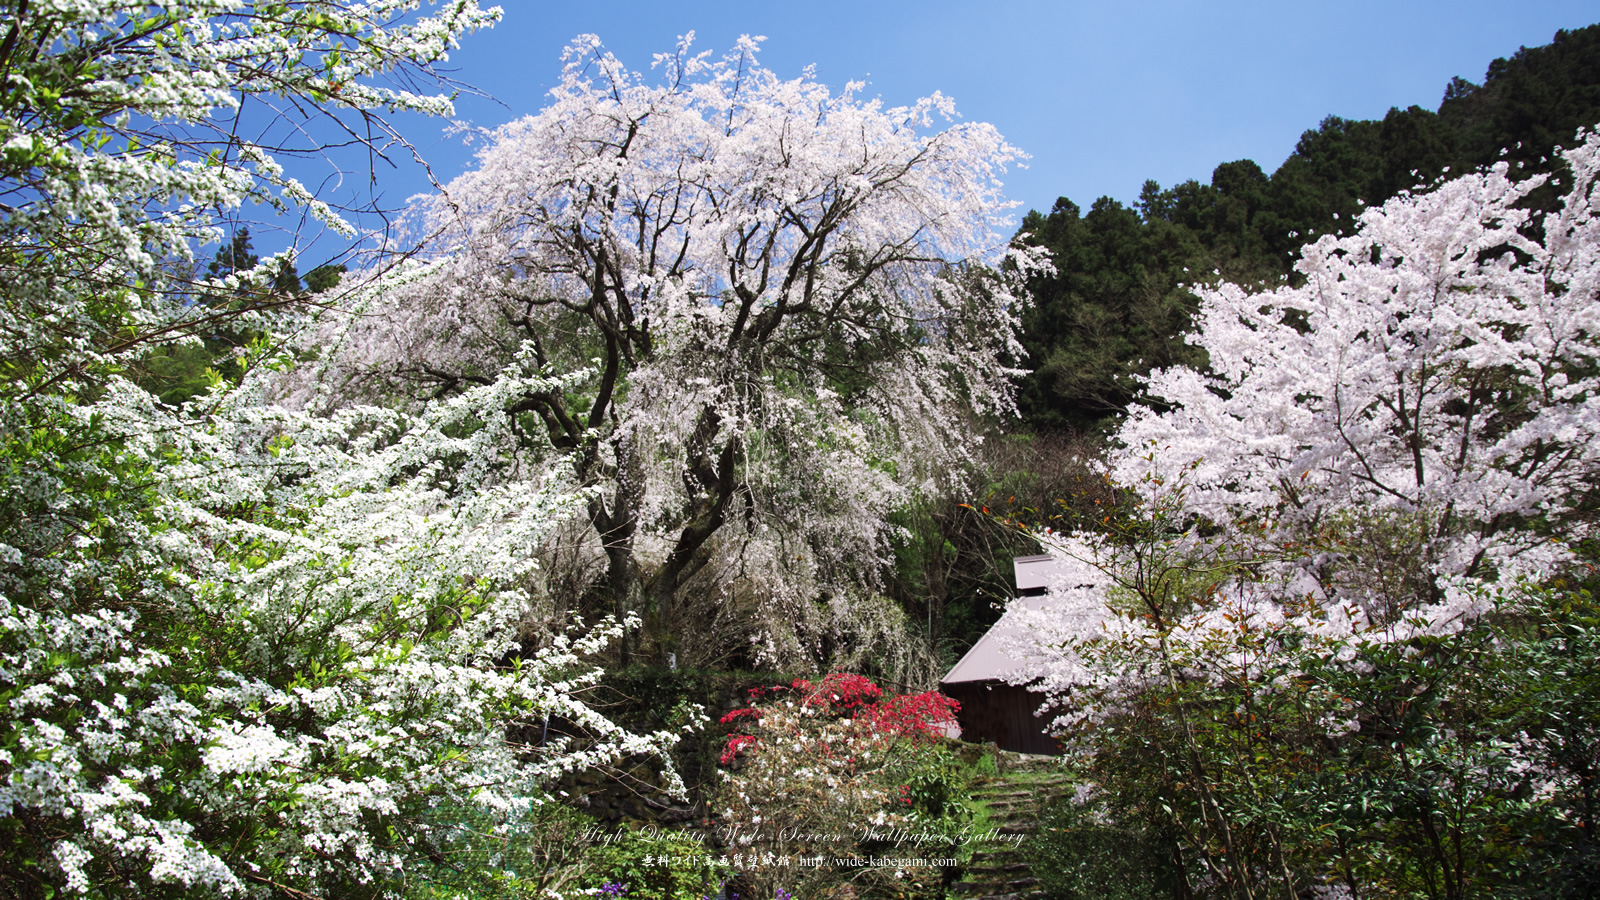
[(1336, 528), (1375, 453), (1436, 369), (792, 296)]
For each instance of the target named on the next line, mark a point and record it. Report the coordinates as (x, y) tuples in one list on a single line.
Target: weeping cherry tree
[(793, 299)]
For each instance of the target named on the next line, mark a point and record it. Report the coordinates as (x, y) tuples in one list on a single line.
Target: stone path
[(1013, 799)]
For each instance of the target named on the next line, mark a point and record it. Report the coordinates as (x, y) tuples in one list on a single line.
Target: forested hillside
[(1117, 303)]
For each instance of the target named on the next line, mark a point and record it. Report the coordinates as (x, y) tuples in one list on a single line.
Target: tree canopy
[(1352, 528), (790, 300)]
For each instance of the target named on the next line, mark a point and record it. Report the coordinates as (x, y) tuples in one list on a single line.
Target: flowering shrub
[(314, 638), (840, 692), (662, 865), (912, 715), (831, 768), (243, 648), (735, 744)]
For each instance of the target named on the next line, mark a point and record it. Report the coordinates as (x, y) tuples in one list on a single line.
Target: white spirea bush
[(329, 638), (243, 649), (120, 145), (333, 639)]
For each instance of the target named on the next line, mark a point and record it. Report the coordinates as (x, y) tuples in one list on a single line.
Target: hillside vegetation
[(1117, 304)]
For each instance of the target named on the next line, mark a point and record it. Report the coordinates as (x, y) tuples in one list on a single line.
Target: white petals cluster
[(244, 648), (343, 633), (799, 292), (813, 781), (118, 146), (1375, 455), (1438, 363)]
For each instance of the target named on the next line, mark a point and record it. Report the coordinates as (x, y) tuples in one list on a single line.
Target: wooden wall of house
[(993, 711)]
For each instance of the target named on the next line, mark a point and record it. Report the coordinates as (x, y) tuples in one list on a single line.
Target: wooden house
[(993, 709)]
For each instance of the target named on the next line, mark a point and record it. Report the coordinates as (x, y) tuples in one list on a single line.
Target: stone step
[(992, 857), (1028, 803), (1021, 789), (1001, 823), (1009, 763), (997, 871), (1008, 796), (1013, 798), (1012, 885), (1019, 817), (1012, 791), (1043, 786), (1037, 776)]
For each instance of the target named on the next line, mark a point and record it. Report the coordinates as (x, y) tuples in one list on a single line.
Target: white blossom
[(796, 302), (1370, 455)]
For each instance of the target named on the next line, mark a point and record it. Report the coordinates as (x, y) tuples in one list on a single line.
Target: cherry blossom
[(1379, 452), (793, 297)]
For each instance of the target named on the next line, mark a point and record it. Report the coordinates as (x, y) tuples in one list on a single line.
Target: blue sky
[(1102, 95)]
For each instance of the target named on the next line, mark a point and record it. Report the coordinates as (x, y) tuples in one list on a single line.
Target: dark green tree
[(181, 371), (1108, 313)]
